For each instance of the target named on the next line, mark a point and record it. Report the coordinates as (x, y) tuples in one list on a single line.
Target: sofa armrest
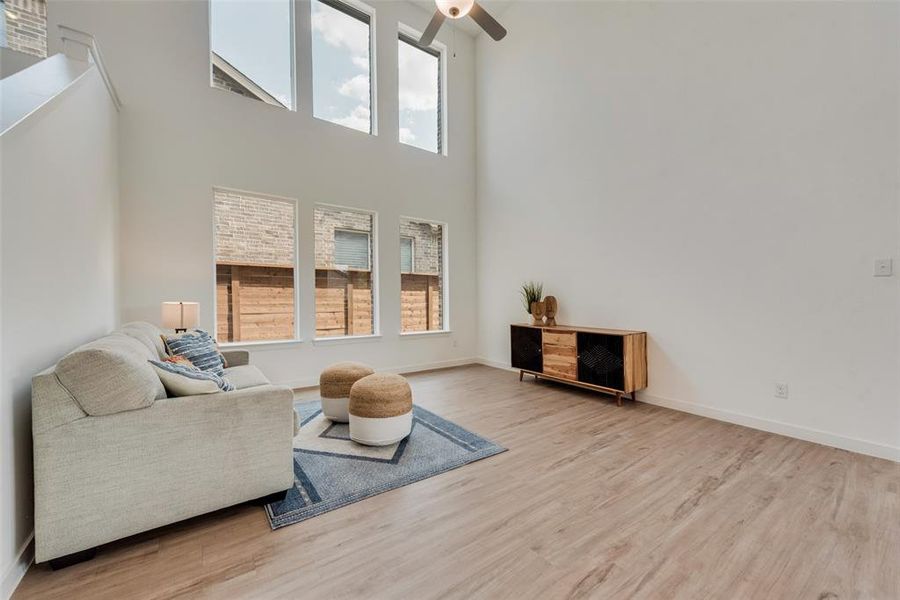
[(102, 478), (236, 358)]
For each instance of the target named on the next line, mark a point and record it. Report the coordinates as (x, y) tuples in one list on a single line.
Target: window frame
[(375, 273), (409, 35), (295, 84), (296, 266), (361, 12), (412, 255), (445, 279)]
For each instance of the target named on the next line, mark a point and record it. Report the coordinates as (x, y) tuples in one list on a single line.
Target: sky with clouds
[(418, 96), (255, 37), (340, 53)]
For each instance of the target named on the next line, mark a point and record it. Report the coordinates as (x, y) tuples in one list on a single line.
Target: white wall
[(180, 137), (721, 175), (57, 279)]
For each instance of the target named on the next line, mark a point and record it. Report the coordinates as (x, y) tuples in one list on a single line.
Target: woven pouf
[(380, 410), (334, 388)]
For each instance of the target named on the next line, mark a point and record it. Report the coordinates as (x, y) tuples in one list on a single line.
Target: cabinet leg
[(633, 397), (619, 398), (521, 373)]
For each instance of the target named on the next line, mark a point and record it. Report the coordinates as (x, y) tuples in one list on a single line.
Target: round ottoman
[(334, 388), (380, 410)]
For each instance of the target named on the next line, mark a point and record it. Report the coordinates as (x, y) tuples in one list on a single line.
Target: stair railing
[(81, 45)]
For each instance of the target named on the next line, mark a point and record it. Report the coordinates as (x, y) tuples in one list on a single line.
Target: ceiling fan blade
[(432, 29), (487, 22)]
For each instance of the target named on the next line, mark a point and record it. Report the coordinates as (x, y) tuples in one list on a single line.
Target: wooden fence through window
[(256, 302)]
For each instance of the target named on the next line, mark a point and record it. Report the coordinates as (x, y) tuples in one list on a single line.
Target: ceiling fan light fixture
[(455, 9)]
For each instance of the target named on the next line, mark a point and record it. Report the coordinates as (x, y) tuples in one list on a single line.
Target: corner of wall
[(14, 573)]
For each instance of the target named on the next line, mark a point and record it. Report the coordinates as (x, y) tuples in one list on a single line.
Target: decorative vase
[(537, 313), (551, 306)]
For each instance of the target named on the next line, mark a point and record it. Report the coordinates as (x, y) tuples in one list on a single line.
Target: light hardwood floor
[(590, 501)]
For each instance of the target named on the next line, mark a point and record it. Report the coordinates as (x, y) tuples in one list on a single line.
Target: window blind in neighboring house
[(406, 255), (351, 249)]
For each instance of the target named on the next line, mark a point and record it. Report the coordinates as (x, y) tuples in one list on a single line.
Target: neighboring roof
[(243, 81)]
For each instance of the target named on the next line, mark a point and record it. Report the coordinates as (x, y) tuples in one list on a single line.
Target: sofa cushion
[(187, 380), (148, 334), (245, 376), (138, 335), (110, 375), (198, 347)]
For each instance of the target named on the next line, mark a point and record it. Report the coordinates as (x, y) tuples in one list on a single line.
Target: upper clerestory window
[(342, 63), (252, 49), (420, 95)]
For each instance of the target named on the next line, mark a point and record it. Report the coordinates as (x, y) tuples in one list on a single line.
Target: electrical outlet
[(781, 390), (455, 343), (883, 267)]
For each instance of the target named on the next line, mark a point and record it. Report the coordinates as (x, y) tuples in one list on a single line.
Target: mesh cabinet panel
[(600, 360), (525, 346)]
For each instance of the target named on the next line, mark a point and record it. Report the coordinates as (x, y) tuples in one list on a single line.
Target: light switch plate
[(883, 267)]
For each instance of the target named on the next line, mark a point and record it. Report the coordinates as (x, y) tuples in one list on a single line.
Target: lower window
[(421, 276), (255, 258), (345, 273)]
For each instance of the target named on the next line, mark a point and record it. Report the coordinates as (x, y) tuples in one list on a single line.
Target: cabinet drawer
[(560, 338)]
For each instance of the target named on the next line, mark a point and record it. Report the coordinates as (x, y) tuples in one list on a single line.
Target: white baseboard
[(495, 363), (16, 571), (795, 431), (308, 382)]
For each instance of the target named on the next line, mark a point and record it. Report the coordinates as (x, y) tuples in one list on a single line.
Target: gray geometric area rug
[(331, 470)]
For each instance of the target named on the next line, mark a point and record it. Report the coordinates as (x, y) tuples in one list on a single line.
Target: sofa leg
[(72, 559), (276, 497)]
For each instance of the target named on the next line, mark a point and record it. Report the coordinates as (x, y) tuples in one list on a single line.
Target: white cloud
[(418, 79), (407, 136), (358, 119), (357, 88), (340, 30)]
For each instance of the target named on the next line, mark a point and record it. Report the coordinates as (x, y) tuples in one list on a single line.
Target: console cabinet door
[(525, 346), (600, 360)]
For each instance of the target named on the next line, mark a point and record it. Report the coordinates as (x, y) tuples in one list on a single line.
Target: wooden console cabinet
[(607, 360)]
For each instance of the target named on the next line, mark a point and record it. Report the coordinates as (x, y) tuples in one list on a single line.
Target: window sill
[(258, 345), (347, 339), (412, 334)]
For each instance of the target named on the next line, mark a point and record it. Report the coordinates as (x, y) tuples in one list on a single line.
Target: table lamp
[(180, 316)]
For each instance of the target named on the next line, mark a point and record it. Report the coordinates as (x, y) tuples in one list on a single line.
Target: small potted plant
[(532, 298)]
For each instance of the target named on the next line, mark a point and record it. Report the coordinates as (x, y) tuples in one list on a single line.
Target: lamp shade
[(180, 315)]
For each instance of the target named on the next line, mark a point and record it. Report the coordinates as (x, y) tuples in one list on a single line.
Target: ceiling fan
[(457, 9)]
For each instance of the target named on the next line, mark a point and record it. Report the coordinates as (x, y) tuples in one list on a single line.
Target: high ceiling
[(495, 7)]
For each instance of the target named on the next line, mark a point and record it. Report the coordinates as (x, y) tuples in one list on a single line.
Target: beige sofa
[(113, 456)]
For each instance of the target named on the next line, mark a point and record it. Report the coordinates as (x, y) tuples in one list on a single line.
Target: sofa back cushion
[(110, 375), (149, 335)]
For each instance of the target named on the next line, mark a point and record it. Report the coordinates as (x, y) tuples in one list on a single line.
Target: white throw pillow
[(181, 380)]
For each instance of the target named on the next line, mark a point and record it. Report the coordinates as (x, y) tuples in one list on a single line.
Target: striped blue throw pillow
[(198, 347), (184, 380)]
